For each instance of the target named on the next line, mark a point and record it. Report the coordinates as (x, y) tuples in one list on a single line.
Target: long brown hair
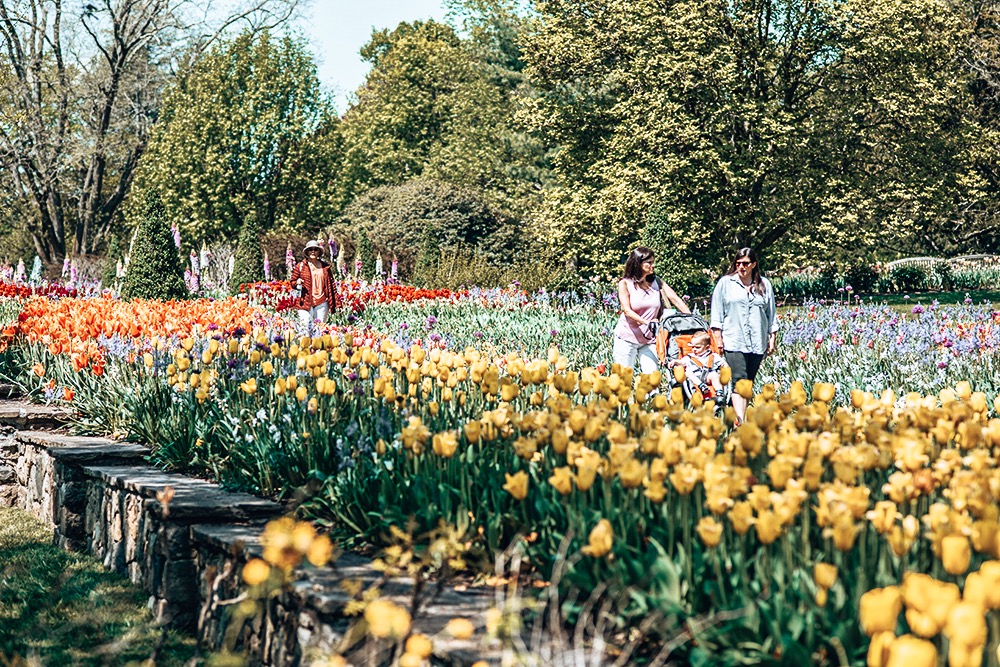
[(633, 265), (757, 285)]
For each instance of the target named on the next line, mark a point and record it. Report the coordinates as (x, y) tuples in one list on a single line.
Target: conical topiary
[(248, 267), (367, 254), (154, 270), (109, 275)]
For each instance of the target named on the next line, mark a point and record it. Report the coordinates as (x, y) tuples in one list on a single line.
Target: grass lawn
[(60, 608), (904, 302)]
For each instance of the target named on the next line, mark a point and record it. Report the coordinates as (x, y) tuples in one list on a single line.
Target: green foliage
[(247, 129), (248, 266), (109, 273), (456, 268), (683, 255), (66, 609), (762, 124), (862, 277), (402, 219), (443, 106), (366, 252), (154, 270), (909, 277)]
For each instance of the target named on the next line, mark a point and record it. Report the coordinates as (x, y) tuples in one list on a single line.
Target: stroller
[(673, 341)]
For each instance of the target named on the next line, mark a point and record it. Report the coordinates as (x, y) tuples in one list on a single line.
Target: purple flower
[(942, 364), (553, 333), (435, 337), (477, 334), (176, 232), (917, 310), (404, 326), (431, 320)]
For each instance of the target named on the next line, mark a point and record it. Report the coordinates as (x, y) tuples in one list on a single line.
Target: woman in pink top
[(641, 295)]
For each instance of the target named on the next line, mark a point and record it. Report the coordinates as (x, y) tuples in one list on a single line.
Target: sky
[(339, 28)]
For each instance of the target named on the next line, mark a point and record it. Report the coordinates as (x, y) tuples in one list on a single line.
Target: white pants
[(624, 353), (314, 314)]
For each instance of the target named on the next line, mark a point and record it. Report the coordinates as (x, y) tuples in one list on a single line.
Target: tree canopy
[(248, 130)]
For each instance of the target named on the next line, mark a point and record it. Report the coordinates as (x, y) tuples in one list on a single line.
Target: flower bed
[(803, 522)]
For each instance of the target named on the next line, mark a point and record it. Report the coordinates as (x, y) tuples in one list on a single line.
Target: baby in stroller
[(702, 369)]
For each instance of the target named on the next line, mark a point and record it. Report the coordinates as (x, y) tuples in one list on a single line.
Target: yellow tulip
[(680, 374), (420, 645), (909, 651), (710, 531), (562, 480), (725, 375), (879, 610), (966, 624), (824, 391), (517, 485), (956, 554), (768, 527), (250, 386), (408, 660), (387, 620), (825, 575), (744, 388), (878, 650), (301, 393), (445, 444), (600, 541), (741, 517), (460, 628), (256, 571)]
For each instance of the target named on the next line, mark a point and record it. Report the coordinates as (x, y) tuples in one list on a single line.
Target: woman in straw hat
[(313, 280)]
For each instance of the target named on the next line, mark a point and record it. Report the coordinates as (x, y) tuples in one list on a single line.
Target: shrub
[(862, 277), (109, 275), (366, 253), (941, 275), (456, 268), (248, 266), (398, 219), (154, 270), (908, 277)]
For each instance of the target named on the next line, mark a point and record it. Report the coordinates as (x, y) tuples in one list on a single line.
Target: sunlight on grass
[(65, 609)]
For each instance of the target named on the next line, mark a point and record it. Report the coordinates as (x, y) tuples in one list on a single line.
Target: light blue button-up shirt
[(746, 318)]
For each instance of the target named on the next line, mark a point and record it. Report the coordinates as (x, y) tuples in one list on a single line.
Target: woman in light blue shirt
[(744, 320)]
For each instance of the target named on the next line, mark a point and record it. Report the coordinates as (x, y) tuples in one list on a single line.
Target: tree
[(248, 267), (80, 88), (247, 130), (403, 219), (154, 269), (797, 128), (439, 105)]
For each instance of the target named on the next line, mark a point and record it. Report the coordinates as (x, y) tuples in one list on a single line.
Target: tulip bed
[(854, 517)]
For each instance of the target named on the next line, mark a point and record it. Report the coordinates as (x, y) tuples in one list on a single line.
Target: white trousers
[(314, 314), (624, 353)]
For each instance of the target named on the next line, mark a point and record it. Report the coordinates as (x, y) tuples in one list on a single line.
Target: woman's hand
[(771, 343)]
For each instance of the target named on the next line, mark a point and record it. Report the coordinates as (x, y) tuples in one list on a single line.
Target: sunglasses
[(743, 262)]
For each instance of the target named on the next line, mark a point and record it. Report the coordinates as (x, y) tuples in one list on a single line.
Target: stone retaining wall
[(100, 496)]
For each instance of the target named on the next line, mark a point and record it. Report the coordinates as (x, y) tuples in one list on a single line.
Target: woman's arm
[(626, 304), (772, 315), (717, 314), (671, 296)]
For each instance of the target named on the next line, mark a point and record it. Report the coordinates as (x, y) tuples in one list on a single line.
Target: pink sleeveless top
[(646, 304)]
